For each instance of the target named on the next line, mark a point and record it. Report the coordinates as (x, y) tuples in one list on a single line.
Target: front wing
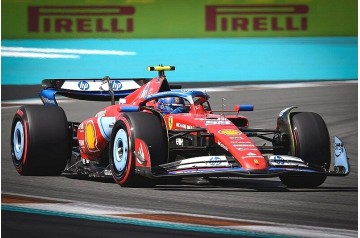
[(222, 166)]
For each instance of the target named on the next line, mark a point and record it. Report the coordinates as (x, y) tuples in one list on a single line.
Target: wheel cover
[(120, 151), (18, 141)]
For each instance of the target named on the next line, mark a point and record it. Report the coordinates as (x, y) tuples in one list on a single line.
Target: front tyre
[(147, 127), (121, 156), (312, 144)]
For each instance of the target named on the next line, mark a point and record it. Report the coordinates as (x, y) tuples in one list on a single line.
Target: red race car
[(158, 131)]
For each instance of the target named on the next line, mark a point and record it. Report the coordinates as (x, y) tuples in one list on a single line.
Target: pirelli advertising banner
[(176, 18)]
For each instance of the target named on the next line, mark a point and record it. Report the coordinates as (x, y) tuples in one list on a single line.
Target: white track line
[(67, 51), (55, 53), (38, 55)]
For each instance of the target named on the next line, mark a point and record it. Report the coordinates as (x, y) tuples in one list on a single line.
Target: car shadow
[(223, 185), (244, 185), (87, 178)]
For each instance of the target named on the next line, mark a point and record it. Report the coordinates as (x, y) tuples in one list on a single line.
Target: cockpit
[(180, 102)]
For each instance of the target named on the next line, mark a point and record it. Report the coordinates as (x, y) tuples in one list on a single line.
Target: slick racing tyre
[(312, 144), (40, 142), (146, 127)]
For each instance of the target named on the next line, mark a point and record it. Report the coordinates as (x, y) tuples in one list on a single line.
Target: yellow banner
[(177, 18)]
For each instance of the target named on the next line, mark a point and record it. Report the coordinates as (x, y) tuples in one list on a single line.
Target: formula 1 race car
[(158, 131)]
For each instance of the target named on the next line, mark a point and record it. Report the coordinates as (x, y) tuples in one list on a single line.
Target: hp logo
[(116, 85), (83, 85), (214, 161)]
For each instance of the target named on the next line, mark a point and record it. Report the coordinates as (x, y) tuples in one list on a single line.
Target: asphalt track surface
[(333, 205)]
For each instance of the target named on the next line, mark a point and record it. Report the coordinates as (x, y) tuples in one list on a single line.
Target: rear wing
[(105, 89)]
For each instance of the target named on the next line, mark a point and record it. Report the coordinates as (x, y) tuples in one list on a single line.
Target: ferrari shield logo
[(170, 122), (256, 161)]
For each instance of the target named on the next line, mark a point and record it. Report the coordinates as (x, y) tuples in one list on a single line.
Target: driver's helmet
[(171, 105)]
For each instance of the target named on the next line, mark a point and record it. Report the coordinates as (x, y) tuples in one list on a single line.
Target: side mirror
[(246, 107)]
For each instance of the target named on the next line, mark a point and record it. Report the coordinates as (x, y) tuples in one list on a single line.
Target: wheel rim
[(120, 151), (18, 141)]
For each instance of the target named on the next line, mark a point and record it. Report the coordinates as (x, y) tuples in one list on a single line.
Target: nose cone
[(241, 147)]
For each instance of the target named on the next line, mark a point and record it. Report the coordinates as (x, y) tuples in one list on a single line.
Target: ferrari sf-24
[(154, 131)]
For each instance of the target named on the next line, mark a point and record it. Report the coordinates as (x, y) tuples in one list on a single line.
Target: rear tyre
[(312, 144), (146, 127), (40, 142)]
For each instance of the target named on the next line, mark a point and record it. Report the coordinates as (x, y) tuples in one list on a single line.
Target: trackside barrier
[(177, 18)]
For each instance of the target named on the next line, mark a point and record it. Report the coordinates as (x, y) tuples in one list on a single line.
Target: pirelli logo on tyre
[(81, 19), (256, 18)]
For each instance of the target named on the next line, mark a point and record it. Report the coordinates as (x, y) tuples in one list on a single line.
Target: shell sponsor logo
[(90, 136), (229, 132)]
